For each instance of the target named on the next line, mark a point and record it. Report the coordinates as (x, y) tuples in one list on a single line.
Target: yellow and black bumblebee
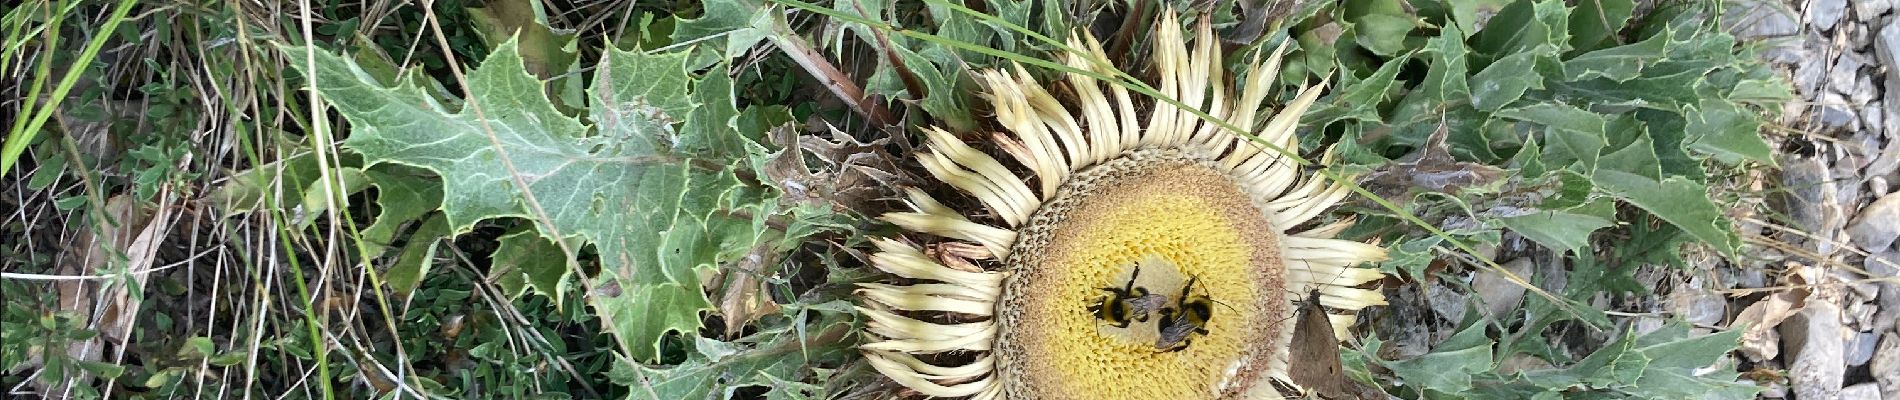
[(1127, 304), (1188, 317)]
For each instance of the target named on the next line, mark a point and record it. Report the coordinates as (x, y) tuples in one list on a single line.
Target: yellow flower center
[(1175, 217)]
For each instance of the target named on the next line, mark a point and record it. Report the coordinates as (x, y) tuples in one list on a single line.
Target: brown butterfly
[(1315, 357)]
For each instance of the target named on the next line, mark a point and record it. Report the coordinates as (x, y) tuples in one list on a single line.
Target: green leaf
[(102, 369), (1653, 244), (202, 346), (48, 172), (1666, 363), (1450, 367), (416, 258), (545, 52), (1598, 21), (1639, 157), (1772, 91), (1529, 159), (1471, 15), (1505, 81), (1678, 200), (1526, 26), (1358, 100), (403, 195), (1384, 34), (1559, 116), (721, 367), (246, 190), (532, 261), (1446, 77), (1558, 230), (653, 214), (1411, 256), (737, 24), (1612, 365), (1728, 132), (1620, 63)]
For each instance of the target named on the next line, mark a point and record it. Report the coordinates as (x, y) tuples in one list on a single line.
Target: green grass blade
[(21, 135)]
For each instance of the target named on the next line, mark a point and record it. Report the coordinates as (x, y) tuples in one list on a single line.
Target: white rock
[(1886, 365), (1823, 14), (1868, 391), (1870, 114), (1889, 157), (1812, 203), (1842, 77), (1885, 265), (1773, 390), (1446, 302), (1864, 93), (1754, 19), (1813, 339), (1499, 294), (1868, 10), (1887, 45), (1858, 36), (1836, 113), (1875, 226), (1860, 350), (1808, 76), (1698, 305), (1886, 48)]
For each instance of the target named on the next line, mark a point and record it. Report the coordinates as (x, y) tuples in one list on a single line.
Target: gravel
[(1878, 224), (1823, 14)]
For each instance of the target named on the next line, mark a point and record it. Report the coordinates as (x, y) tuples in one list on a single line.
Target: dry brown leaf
[(1430, 168), (1761, 341), (744, 298), (129, 241), (849, 175)]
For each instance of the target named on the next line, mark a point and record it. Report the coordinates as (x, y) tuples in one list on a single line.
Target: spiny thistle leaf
[(632, 187)]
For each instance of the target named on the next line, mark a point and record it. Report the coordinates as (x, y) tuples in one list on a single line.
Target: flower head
[(1145, 255)]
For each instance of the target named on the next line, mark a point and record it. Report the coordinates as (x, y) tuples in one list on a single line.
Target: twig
[(911, 84), (840, 85)]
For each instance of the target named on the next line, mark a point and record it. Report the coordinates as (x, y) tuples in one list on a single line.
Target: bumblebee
[(1127, 304), (1187, 318)]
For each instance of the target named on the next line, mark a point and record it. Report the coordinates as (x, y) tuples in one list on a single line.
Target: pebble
[(1812, 338), (1786, 51), (1870, 115), (1823, 14), (1448, 303), (1858, 36), (1862, 391), (1889, 158), (1887, 44), (1876, 226), (1836, 113), (1499, 294), (1861, 349), (1886, 365), (1754, 19), (1889, 298), (1869, 10), (1773, 390), (1808, 75), (1812, 204), (1864, 93), (1697, 305)]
